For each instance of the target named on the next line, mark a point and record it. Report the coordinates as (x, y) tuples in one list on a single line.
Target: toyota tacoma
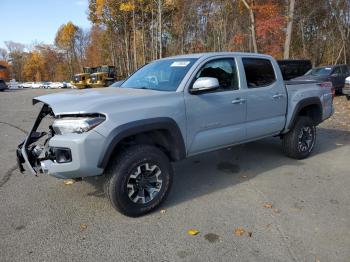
[(169, 110)]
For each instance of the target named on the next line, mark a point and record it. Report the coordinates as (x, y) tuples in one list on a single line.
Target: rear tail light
[(328, 85)]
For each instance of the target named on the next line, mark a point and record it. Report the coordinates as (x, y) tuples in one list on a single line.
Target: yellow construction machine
[(104, 76), (81, 80)]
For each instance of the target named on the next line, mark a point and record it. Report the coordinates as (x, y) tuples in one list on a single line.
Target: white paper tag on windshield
[(180, 64)]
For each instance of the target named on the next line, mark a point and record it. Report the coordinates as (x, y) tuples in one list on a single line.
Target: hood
[(92, 100)]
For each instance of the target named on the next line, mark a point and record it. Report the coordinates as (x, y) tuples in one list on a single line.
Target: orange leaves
[(267, 205), (127, 7), (83, 227), (34, 66), (239, 231), (99, 7), (238, 39), (65, 35), (192, 232), (270, 23), (268, 9)]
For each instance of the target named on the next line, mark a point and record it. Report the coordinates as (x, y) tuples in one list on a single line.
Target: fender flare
[(302, 104), (178, 148)]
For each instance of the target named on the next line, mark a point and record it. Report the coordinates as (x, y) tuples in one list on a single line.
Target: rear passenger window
[(259, 72), (345, 70)]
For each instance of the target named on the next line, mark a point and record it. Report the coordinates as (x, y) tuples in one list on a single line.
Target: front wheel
[(138, 180), (300, 141)]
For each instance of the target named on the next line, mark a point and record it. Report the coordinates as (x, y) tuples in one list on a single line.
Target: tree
[(66, 39), (252, 22), (4, 55), (96, 52), (270, 27), (290, 19), (34, 67), (16, 57)]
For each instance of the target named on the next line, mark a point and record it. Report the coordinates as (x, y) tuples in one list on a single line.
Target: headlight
[(76, 125)]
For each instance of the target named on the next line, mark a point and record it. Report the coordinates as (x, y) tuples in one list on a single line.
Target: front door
[(216, 119)]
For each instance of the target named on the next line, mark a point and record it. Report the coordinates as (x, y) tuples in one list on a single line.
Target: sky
[(36, 21)]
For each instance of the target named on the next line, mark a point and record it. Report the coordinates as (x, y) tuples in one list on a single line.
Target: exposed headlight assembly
[(77, 125)]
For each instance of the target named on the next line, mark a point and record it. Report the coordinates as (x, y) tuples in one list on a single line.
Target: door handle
[(238, 101), (277, 96)]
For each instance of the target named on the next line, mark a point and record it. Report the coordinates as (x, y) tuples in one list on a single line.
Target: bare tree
[(160, 27), (4, 55), (289, 29), (252, 24)]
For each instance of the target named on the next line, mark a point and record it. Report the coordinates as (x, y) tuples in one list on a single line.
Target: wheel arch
[(310, 107), (161, 131)]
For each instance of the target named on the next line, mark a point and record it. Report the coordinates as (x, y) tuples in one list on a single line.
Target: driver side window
[(222, 69)]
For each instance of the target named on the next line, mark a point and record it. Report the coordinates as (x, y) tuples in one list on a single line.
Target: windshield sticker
[(180, 64)]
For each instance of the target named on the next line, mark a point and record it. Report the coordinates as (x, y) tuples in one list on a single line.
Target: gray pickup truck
[(168, 110)]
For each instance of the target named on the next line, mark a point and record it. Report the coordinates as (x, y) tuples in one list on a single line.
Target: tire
[(132, 174), (300, 140), (348, 98)]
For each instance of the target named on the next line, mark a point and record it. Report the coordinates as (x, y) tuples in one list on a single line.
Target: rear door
[(345, 72), (216, 119), (266, 98), (337, 78)]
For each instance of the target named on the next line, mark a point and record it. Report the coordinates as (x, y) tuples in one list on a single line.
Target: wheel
[(138, 180), (300, 141), (348, 98)]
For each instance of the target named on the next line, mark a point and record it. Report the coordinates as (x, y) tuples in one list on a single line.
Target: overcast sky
[(28, 21)]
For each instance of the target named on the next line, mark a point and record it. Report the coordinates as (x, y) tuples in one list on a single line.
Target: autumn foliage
[(130, 33)]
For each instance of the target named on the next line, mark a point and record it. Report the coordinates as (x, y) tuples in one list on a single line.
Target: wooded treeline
[(128, 34)]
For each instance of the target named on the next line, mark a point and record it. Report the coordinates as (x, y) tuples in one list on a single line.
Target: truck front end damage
[(58, 150), (29, 152)]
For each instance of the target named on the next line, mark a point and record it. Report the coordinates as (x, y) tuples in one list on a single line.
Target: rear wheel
[(300, 141), (138, 180)]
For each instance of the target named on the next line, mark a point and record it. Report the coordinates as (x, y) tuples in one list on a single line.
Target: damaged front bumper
[(27, 156), (62, 156)]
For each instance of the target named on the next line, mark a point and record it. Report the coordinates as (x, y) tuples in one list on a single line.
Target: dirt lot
[(287, 210)]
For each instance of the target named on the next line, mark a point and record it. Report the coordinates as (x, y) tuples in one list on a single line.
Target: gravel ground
[(249, 203), (341, 117)]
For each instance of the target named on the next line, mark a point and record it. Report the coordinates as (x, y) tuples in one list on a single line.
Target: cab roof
[(212, 54)]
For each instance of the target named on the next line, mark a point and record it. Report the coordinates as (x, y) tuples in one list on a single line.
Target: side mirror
[(205, 84)]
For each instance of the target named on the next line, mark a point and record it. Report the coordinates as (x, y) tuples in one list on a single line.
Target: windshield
[(321, 71), (163, 75)]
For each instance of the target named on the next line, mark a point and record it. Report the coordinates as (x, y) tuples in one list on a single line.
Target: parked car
[(27, 84), (168, 110), (292, 68), (55, 85), (346, 89), (36, 85), (335, 74), (67, 85), (3, 85), (45, 84)]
